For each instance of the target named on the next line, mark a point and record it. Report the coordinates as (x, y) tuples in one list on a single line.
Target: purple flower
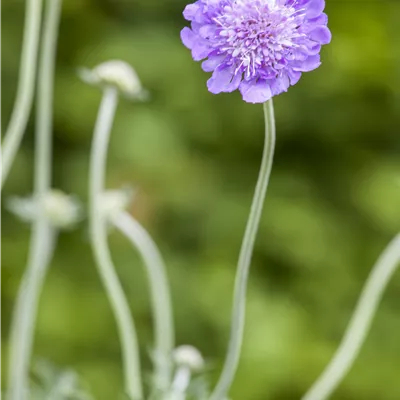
[(260, 47)]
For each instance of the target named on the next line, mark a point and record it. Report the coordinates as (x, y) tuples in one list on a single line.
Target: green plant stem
[(180, 384), (25, 310), (98, 234), (239, 297), (43, 236), (160, 295), (359, 325), (25, 89)]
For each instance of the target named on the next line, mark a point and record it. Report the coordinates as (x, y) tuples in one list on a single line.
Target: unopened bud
[(118, 74), (115, 201), (61, 210), (188, 356)]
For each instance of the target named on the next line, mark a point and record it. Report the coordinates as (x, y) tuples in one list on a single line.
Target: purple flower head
[(260, 47)]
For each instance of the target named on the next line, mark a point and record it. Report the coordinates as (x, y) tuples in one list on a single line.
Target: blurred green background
[(333, 202)]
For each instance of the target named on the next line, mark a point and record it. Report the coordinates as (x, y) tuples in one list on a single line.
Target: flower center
[(258, 36)]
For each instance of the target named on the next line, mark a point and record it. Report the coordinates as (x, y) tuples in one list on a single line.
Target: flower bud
[(115, 201), (118, 74), (188, 356), (61, 210)]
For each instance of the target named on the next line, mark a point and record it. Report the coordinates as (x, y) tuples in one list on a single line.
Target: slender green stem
[(43, 236), (239, 297), (359, 325), (26, 84), (180, 384), (98, 233), (160, 295), (25, 310)]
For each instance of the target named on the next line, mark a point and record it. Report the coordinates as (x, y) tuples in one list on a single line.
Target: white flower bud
[(118, 74), (115, 201), (188, 356), (61, 210)]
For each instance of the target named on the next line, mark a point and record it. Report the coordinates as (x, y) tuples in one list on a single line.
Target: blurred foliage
[(332, 206), (58, 385)]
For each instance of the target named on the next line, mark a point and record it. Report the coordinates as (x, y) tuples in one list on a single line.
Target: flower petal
[(320, 20), (314, 8), (301, 53), (313, 48), (255, 91), (212, 63), (188, 37), (294, 76), (321, 34), (207, 30), (190, 11), (200, 49), (280, 84), (310, 64), (224, 80)]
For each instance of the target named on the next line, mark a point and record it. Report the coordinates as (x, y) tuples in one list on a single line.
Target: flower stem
[(359, 325), (160, 294), (98, 234), (239, 297), (26, 84), (180, 384), (43, 236), (25, 310)]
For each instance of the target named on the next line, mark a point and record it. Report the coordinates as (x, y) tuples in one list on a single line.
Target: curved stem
[(160, 294), (98, 234), (26, 84), (359, 325), (43, 236), (239, 297)]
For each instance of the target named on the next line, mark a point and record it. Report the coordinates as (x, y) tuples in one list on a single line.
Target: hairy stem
[(98, 234), (239, 297), (160, 294), (359, 325), (26, 84), (43, 236)]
